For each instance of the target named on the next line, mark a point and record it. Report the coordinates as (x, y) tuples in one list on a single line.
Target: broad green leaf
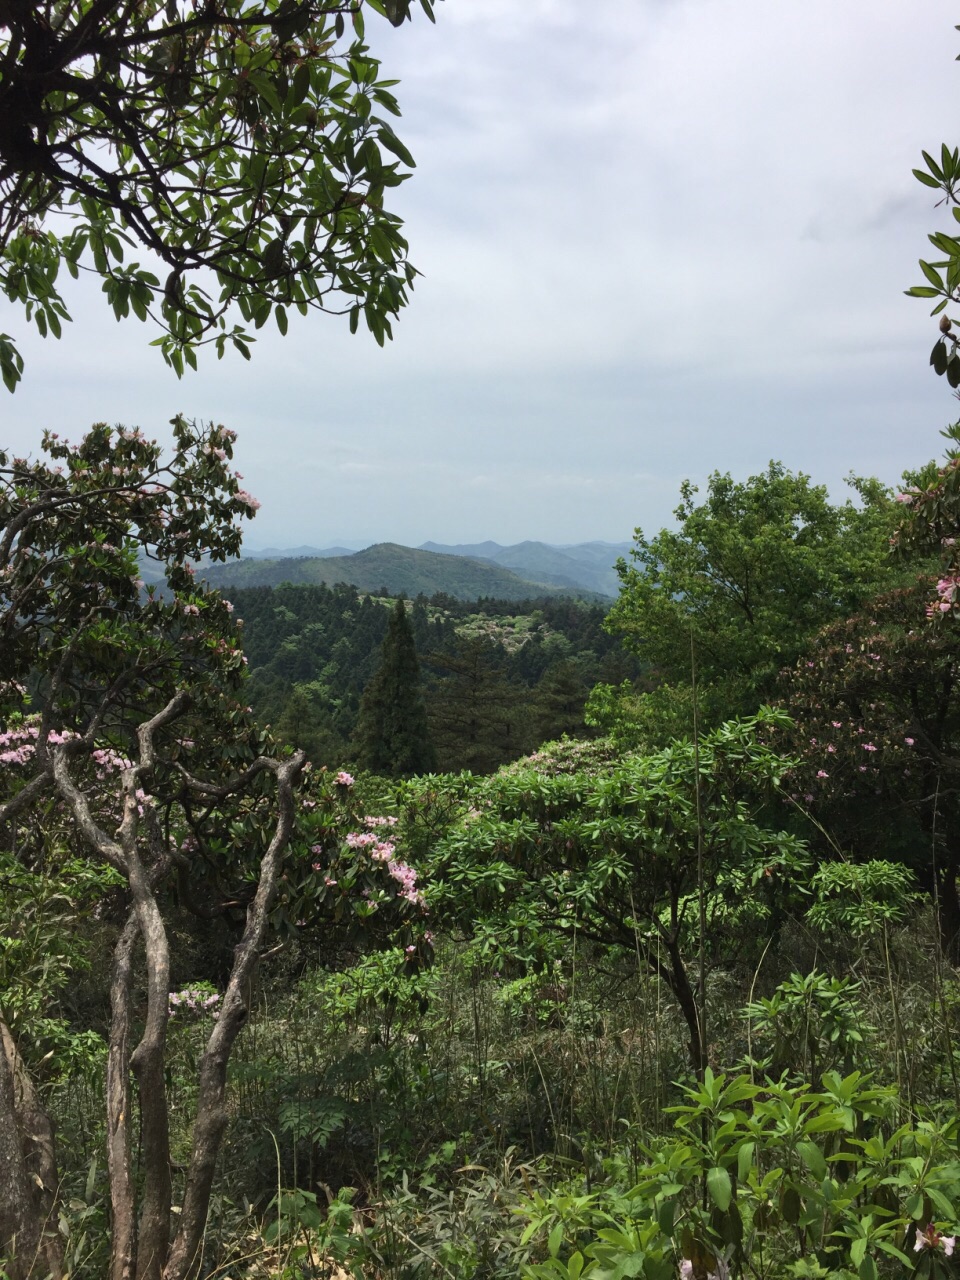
[(932, 274), (813, 1158), (719, 1187), (868, 1269)]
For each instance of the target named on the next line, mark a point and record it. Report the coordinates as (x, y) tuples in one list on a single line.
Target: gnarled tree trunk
[(30, 1245)]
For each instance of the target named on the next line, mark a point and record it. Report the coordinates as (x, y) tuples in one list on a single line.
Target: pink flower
[(868, 746), (837, 724), (821, 774), (359, 839), (343, 779), (931, 1239)]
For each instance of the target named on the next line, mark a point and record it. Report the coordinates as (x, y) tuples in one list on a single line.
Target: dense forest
[(498, 677)]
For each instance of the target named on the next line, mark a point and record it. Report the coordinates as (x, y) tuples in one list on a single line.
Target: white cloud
[(658, 238)]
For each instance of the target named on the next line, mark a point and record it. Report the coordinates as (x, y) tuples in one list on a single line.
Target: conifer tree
[(392, 736), (478, 717)]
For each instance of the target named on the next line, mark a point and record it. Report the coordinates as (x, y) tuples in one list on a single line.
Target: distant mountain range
[(583, 566), (525, 570)]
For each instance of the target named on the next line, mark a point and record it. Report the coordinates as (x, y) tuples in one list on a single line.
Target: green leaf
[(932, 274), (555, 1240), (925, 178), (666, 1213), (813, 1158), (719, 1187), (936, 1196), (932, 165), (745, 1160), (868, 1269), (393, 144), (791, 1206)]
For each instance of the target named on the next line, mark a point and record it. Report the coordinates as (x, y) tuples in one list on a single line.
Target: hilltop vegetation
[(395, 569), (680, 1000)]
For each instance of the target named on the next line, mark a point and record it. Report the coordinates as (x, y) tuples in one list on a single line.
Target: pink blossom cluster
[(946, 595), (406, 877), (384, 852), (380, 821), (17, 746), (109, 761), (192, 1000), (360, 839), (344, 779)]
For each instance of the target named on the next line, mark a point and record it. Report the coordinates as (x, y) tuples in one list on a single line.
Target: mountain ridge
[(408, 570)]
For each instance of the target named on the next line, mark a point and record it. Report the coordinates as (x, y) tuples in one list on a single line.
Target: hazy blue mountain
[(478, 550), (398, 569), (296, 553), (584, 565)]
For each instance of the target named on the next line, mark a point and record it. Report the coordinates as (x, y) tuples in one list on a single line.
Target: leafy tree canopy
[(614, 853), (244, 145), (748, 575)]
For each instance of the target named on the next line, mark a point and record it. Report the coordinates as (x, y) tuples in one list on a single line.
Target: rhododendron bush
[(617, 854), (125, 743), (877, 735)]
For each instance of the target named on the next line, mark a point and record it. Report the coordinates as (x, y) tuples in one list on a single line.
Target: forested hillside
[(498, 676), (400, 570)]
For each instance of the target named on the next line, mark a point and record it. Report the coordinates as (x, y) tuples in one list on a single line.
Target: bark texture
[(30, 1245)]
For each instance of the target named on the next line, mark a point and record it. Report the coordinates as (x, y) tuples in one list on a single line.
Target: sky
[(658, 238)]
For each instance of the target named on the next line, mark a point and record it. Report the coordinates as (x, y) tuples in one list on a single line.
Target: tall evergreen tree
[(392, 736), (477, 715)]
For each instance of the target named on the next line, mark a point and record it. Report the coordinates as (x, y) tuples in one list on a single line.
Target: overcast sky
[(658, 238)]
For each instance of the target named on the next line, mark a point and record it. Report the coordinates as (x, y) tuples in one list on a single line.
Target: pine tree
[(478, 717), (392, 736)]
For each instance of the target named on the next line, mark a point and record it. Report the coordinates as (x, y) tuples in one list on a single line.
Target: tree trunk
[(948, 913), (679, 984), (211, 1104), (30, 1244), (122, 1192)]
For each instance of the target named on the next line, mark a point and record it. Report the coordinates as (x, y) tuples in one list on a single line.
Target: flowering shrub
[(931, 522), (876, 713), (200, 1000)]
